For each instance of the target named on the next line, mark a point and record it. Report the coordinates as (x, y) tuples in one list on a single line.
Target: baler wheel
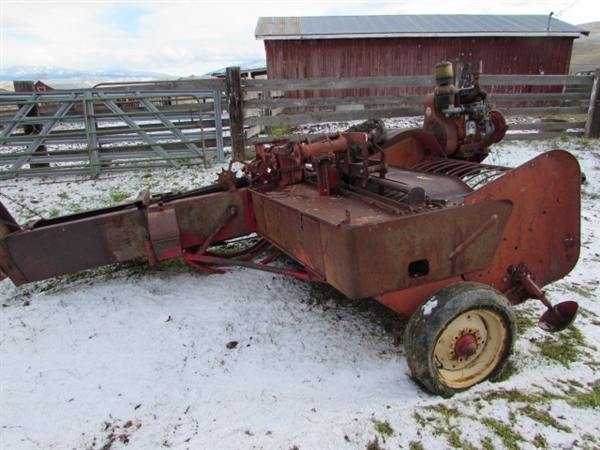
[(461, 336)]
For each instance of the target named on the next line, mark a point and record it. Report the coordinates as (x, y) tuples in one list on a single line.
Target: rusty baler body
[(396, 219)]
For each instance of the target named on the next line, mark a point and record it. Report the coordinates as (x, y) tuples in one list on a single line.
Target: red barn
[(60, 85), (362, 46)]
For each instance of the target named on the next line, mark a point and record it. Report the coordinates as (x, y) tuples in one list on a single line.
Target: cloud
[(183, 37), (127, 17)]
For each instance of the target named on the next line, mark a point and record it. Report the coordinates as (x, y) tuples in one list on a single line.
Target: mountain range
[(33, 73)]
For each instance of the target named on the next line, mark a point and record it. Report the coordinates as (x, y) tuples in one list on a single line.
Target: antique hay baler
[(414, 220)]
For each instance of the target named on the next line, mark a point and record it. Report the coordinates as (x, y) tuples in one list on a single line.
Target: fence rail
[(116, 127), (297, 102)]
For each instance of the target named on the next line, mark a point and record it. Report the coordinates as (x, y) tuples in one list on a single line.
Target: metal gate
[(93, 132)]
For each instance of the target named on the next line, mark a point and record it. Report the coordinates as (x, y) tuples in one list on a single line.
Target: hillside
[(586, 49)]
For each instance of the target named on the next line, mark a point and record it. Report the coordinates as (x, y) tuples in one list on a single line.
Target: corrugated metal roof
[(412, 25), (256, 65)]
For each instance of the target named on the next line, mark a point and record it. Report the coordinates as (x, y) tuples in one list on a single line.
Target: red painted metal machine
[(417, 222)]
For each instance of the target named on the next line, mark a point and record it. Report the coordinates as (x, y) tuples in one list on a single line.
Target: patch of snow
[(429, 306), (119, 359)]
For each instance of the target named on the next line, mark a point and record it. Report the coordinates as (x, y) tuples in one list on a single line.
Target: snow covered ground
[(126, 357)]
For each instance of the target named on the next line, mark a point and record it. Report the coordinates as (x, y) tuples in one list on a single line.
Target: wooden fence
[(552, 105), (560, 104)]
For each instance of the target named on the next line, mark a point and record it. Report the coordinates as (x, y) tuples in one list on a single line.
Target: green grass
[(516, 396), (527, 317), (374, 445), (593, 440), (507, 372), (415, 446), (281, 130), (583, 291), (119, 197), (504, 432), (543, 417), (566, 348), (488, 444), (444, 411), (587, 399), (383, 428), (450, 422), (540, 441)]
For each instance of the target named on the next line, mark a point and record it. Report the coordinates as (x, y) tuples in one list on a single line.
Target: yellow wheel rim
[(469, 348)]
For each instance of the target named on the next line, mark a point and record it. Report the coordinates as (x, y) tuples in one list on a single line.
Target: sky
[(191, 37)]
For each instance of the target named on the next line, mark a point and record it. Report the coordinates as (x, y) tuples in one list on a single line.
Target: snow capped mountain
[(33, 73)]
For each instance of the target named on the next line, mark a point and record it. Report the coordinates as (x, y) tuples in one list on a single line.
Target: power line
[(572, 4)]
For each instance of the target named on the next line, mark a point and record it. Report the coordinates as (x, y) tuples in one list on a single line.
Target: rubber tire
[(426, 326)]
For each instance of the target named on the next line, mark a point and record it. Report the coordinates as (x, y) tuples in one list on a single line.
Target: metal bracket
[(164, 234)]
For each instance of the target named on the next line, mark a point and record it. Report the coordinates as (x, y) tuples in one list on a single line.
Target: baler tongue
[(558, 317)]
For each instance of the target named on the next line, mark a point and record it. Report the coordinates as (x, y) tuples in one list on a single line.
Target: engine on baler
[(461, 121)]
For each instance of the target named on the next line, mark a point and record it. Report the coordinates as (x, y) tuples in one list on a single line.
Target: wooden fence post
[(28, 86), (235, 99), (592, 124)]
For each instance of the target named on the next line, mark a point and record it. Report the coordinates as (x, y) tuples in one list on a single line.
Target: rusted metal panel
[(65, 248), (413, 250), (544, 229), (78, 242), (287, 227), (407, 301), (163, 231), (366, 251), (199, 216), (278, 26)]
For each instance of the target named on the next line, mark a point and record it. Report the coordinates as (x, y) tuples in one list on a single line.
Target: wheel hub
[(466, 346), (464, 353)]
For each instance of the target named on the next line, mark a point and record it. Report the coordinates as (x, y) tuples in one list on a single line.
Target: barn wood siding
[(379, 57)]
